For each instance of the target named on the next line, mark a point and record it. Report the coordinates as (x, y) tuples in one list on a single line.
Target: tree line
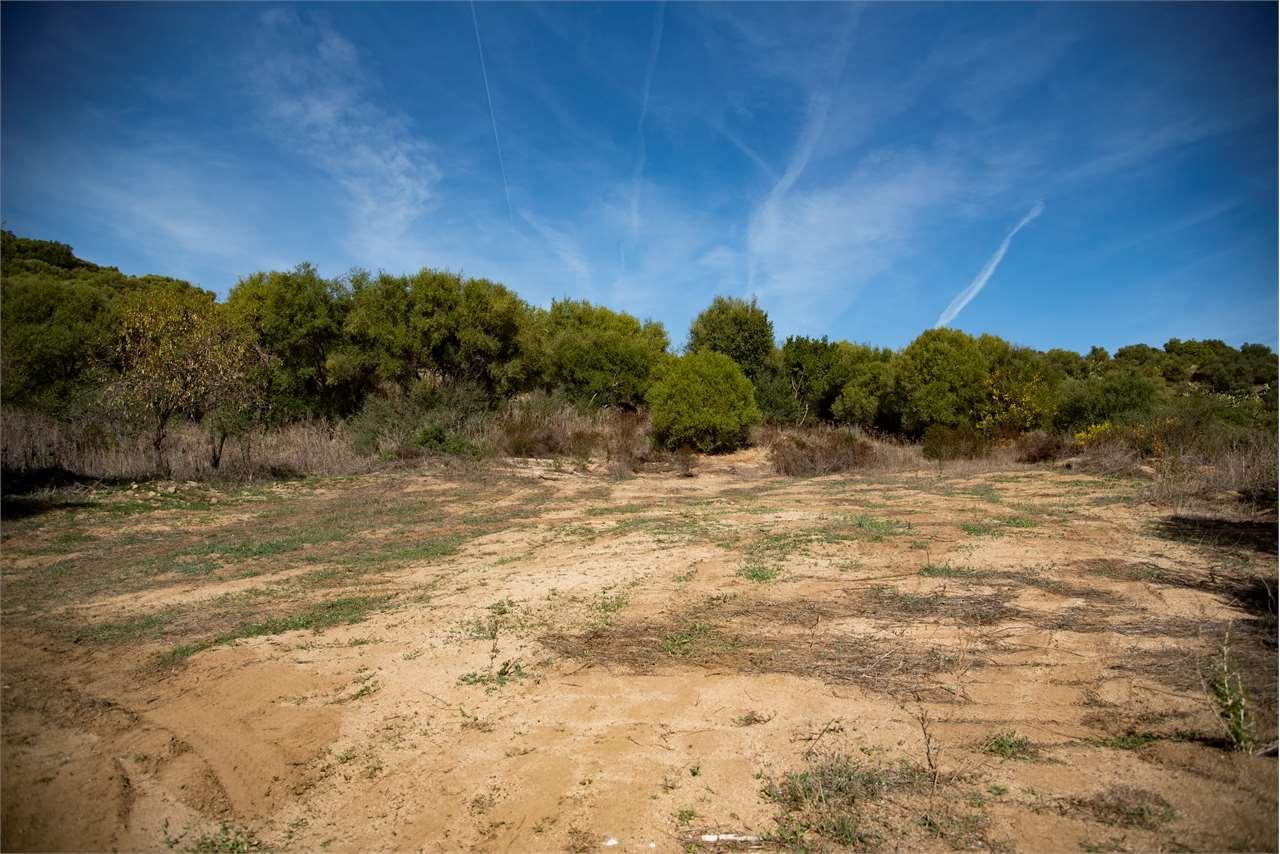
[(292, 345)]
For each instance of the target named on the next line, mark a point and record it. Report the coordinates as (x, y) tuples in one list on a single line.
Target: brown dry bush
[(961, 442), (819, 451), (538, 425), (103, 449), (1041, 447)]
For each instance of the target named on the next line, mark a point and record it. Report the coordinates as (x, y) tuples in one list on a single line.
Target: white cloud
[(988, 269), (317, 103), (561, 244)]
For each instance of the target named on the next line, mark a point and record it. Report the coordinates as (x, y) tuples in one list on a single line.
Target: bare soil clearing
[(525, 658)]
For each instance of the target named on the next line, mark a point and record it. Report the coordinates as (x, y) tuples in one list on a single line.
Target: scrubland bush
[(1039, 446), (811, 453), (961, 442), (703, 401), (101, 449), (544, 425), (386, 367)]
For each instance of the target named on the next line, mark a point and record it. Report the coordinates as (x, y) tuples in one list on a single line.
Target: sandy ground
[(542, 659)]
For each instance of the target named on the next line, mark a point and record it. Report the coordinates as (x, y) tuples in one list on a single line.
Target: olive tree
[(179, 357)]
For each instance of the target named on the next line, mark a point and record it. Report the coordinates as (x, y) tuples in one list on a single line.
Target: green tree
[(940, 379), (297, 317), (59, 315), (1113, 396), (596, 355), (1066, 364), (1021, 389), (863, 398), (400, 328), (704, 401), (739, 329), (180, 357)]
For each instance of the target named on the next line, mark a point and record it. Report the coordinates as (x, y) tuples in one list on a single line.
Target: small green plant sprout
[(1009, 745), (510, 670), (1228, 695), (229, 839)]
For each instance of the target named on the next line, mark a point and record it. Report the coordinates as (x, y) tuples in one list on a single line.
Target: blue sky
[(858, 168)]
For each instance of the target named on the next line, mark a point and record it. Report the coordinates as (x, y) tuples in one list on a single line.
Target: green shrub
[(597, 356), (739, 329), (962, 442), (941, 378), (703, 401), (437, 440)]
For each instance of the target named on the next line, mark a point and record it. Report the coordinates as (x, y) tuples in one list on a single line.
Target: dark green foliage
[(419, 361), (1113, 396), (865, 398), (702, 401), (59, 316), (297, 317), (597, 356), (962, 442), (739, 329), (941, 379), (15, 249), (1020, 389), (816, 374), (400, 328), (436, 439)]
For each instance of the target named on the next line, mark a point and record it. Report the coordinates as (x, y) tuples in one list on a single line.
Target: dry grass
[(819, 451), (766, 636), (34, 443), (1124, 806)]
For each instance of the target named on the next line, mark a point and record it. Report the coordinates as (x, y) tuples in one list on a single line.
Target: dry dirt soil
[(519, 657)]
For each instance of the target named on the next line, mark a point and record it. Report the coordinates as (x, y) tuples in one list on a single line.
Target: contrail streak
[(975, 287), (493, 119), (655, 45)]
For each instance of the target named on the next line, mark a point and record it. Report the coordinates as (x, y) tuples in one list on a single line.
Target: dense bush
[(1117, 396), (959, 442), (297, 317), (434, 362), (739, 329), (940, 379), (1040, 446), (819, 452), (596, 356), (703, 401)]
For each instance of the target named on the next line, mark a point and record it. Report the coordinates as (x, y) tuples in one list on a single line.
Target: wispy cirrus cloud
[(316, 101), (561, 244), (493, 117), (980, 281), (637, 175)]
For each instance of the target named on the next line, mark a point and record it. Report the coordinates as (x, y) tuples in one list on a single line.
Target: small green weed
[(685, 643), (759, 573), (228, 840), (1128, 741), (509, 671), (1009, 745)]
